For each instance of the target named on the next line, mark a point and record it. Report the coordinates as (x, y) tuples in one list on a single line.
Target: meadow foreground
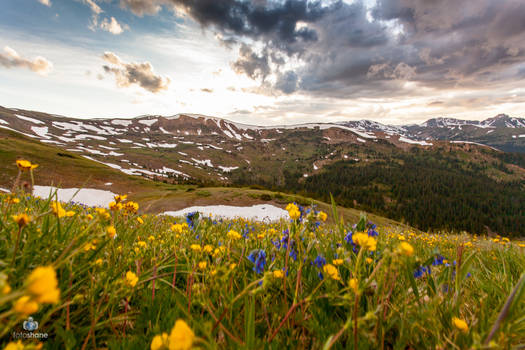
[(99, 278)]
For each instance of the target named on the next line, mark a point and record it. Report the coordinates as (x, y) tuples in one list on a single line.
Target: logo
[(30, 325)]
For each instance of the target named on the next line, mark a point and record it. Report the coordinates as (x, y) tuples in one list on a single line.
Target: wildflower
[(176, 228), (331, 271), (353, 284), (233, 266), (460, 324), (406, 249), (131, 207), (258, 258), (369, 260), (202, 265), (58, 210), (160, 342), (21, 219), (322, 215), (319, 261), (25, 305), (112, 232), (208, 249), (151, 238), (337, 262), (25, 165), (140, 221), (365, 241), (131, 279), (120, 198), (115, 206), (42, 284), (6, 289), (98, 262), (233, 235), (293, 211), (195, 247), (181, 336), (15, 346), (278, 274), (142, 244)]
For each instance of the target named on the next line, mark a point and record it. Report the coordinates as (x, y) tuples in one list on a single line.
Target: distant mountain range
[(423, 175)]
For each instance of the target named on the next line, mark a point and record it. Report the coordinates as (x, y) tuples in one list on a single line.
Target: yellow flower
[(42, 284), (142, 244), (460, 324), (322, 215), (337, 262), (331, 271), (131, 279), (293, 211), (160, 342), (208, 249), (25, 305), (202, 265), (353, 284), (70, 213), (115, 206), (140, 221), (176, 228), (22, 219), (195, 247), (181, 336), (25, 165), (99, 261), (120, 198), (278, 274), (365, 241), (406, 249), (234, 235), (15, 346), (112, 232), (369, 260), (58, 210), (233, 266), (131, 207), (6, 289), (151, 238), (89, 217)]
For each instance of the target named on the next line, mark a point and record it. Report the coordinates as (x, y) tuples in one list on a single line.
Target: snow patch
[(32, 120), (260, 212), (87, 196)]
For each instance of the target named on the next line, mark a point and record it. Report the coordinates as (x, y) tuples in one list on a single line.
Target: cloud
[(250, 63), (141, 74), (45, 2), (11, 59), (113, 26)]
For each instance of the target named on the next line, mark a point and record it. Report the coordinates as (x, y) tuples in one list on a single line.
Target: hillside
[(405, 173), (66, 169)]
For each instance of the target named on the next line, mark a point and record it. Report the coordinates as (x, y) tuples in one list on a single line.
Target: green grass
[(229, 305)]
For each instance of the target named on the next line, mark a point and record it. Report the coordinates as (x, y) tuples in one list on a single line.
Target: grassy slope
[(100, 308), (68, 169)]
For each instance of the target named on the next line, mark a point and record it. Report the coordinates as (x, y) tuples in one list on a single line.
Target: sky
[(265, 62)]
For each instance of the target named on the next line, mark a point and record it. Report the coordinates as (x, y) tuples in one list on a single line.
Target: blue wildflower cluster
[(258, 258)]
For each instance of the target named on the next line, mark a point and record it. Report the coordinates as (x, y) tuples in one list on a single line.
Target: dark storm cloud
[(347, 50), (252, 64), (275, 21)]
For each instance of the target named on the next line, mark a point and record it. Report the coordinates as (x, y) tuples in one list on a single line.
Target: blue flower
[(319, 261), (438, 260), (258, 258)]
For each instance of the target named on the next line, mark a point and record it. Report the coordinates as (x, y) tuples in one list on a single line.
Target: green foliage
[(218, 284)]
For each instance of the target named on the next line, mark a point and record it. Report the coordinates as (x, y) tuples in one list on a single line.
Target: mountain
[(501, 131), (423, 174)]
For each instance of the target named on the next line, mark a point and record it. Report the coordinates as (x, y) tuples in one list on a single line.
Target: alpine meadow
[(275, 174)]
